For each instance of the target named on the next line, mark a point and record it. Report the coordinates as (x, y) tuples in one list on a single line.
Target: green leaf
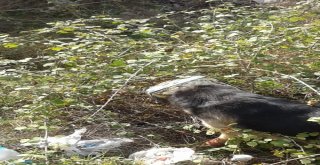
[(20, 128), (306, 161), (43, 127), (314, 133), (57, 48), (280, 143), (118, 63), (296, 19), (10, 45), (57, 101), (278, 153), (314, 119), (233, 146), (267, 140), (66, 30), (302, 136), (252, 144)]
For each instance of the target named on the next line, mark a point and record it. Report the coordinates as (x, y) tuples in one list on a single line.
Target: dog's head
[(199, 98), (189, 93)]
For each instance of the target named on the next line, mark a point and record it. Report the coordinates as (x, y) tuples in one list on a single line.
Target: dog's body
[(221, 106)]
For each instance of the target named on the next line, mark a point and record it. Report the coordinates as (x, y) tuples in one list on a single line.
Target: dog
[(222, 107)]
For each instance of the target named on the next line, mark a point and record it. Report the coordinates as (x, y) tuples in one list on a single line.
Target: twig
[(173, 23), (241, 60), (260, 48), (46, 142), (117, 91), (272, 28), (247, 68), (124, 52), (65, 4), (289, 160), (300, 81), (295, 143), (153, 143)]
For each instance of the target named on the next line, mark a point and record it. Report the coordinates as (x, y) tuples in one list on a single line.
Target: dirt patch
[(150, 124)]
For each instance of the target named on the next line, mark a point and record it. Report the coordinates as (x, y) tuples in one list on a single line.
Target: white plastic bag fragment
[(72, 144), (163, 156), (168, 84), (95, 147), (241, 158), (69, 140), (58, 141), (267, 1), (8, 154)]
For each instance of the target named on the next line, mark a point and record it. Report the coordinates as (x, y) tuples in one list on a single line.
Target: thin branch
[(272, 28), (247, 68), (124, 52), (153, 143), (295, 143), (260, 48), (289, 160), (46, 142), (300, 81), (65, 4), (117, 91), (241, 60)]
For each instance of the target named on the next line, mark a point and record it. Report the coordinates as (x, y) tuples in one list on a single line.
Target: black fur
[(252, 111)]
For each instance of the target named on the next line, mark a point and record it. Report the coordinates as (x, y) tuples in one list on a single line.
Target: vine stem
[(289, 160), (292, 77), (46, 141), (123, 85)]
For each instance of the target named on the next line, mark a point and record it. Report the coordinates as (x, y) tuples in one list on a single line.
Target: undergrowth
[(54, 79)]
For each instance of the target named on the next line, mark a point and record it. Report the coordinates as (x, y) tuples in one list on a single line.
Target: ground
[(58, 67)]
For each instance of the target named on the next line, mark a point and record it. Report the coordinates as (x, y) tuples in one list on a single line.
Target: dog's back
[(220, 105)]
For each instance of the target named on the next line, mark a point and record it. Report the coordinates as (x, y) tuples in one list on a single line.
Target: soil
[(131, 114), (149, 123)]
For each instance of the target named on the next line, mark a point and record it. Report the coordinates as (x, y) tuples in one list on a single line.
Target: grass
[(61, 75)]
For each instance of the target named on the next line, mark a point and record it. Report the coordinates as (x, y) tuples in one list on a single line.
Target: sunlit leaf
[(20, 128), (280, 143), (10, 45), (278, 153), (57, 48), (252, 144), (118, 63), (314, 119), (296, 19)]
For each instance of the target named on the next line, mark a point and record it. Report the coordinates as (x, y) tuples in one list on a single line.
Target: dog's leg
[(219, 141)]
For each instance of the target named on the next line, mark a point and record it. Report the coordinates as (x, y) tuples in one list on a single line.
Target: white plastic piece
[(66, 140), (58, 141), (169, 84), (163, 156), (241, 158), (95, 147), (8, 154), (267, 1), (72, 144)]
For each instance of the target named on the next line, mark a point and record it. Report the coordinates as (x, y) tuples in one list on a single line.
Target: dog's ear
[(197, 96), (186, 98)]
